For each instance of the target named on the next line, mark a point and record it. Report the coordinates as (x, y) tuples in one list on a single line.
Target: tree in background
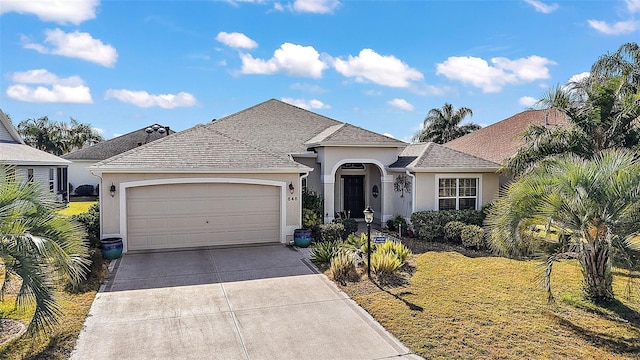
[(443, 125), (603, 111), (38, 246), (57, 138)]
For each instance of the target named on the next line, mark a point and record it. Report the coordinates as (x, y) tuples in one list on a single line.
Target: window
[(457, 193), (51, 179), (29, 175)]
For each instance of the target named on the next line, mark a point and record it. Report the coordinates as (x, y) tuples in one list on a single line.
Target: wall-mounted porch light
[(112, 190), (291, 188)]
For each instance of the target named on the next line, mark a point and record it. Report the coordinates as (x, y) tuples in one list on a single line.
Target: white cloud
[(306, 104), (373, 92), (115, 135), (59, 11), (382, 70), (76, 45), (278, 7), (315, 6), (542, 7), (633, 5), (579, 77), (527, 101), (492, 78), (98, 130), (389, 135), (291, 59), (59, 90), (308, 88), (236, 40), (620, 27), (401, 104), (145, 100)]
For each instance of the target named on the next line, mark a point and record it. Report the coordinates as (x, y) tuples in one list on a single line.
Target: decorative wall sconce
[(112, 190), (291, 188)]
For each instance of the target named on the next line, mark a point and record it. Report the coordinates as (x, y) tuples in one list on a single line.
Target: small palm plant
[(38, 246)]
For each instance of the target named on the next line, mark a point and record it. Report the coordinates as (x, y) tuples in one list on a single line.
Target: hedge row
[(429, 225)]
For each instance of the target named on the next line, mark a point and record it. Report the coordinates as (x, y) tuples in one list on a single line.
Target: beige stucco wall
[(110, 206), (426, 188), (313, 180)]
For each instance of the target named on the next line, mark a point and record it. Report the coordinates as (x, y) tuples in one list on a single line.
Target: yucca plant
[(401, 251), (385, 262), (323, 252)]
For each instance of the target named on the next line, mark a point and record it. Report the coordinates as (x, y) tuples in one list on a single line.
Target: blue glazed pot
[(302, 237), (111, 248)]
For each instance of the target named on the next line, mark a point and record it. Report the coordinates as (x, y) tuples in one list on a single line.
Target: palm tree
[(595, 203), (602, 114), (80, 135), (38, 246), (443, 125), (57, 137), (623, 62)]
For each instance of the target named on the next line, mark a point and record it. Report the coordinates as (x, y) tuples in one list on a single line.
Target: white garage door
[(190, 215)]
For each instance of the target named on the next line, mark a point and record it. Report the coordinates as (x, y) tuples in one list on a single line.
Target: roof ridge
[(366, 130), (464, 153), (268, 101), (264, 151), (144, 146)]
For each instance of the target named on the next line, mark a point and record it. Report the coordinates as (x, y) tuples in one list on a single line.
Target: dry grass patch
[(473, 307), (76, 207)]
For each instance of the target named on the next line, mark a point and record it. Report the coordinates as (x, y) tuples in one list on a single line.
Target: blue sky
[(121, 65)]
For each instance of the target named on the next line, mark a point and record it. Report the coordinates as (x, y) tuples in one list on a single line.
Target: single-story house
[(501, 140), (31, 164), (239, 179), (81, 159)]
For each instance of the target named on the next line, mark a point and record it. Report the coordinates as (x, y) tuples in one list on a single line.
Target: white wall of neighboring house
[(4, 134), (41, 175), (79, 174)]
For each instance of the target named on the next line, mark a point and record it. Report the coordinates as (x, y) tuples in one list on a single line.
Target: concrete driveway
[(261, 302)]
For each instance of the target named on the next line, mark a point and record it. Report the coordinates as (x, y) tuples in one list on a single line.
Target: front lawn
[(76, 207), (476, 306)]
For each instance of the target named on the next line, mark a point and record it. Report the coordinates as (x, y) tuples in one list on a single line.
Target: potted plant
[(111, 248)]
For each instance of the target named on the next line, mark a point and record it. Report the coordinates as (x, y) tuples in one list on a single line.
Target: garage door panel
[(191, 215)]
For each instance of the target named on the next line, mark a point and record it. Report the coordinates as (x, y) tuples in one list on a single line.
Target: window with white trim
[(51, 177), (457, 193), (29, 175)]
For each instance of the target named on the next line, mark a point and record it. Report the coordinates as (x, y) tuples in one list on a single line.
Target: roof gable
[(499, 141), (8, 132), (106, 149)]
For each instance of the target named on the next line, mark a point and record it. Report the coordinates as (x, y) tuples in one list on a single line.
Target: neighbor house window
[(29, 175), (457, 193), (51, 179)]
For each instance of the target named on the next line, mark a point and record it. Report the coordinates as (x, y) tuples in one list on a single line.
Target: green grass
[(77, 207), (459, 307)]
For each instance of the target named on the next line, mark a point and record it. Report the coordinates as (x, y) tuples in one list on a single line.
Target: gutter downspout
[(413, 192), (302, 177), (100, 202)]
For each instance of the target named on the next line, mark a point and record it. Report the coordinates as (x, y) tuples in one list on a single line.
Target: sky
[(121, 65)]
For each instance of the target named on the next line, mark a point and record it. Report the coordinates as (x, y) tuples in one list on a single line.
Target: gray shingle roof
[(202, 147), (284, 128), (428, 156), (21, 154), (118, 145)]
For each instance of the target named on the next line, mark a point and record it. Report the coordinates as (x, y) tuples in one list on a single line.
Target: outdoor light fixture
[(291, 188), (112, 190), (368, 218)]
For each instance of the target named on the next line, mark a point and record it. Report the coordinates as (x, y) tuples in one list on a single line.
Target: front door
[(354, 194)]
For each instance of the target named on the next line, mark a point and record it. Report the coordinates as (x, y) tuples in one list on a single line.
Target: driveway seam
[(226, 298)]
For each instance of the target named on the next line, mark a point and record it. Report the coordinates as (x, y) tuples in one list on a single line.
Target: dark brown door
[(354, 194)]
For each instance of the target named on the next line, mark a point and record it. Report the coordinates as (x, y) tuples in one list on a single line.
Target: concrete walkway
[(262, 302)]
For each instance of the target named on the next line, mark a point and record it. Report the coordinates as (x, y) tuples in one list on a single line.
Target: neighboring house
[(239, 179), (31, 164), (81, 159), (500, 141)]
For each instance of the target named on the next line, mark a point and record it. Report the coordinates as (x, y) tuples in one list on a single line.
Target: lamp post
[(368, 218)]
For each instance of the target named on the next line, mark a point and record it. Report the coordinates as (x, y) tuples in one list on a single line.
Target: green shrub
[(452, 231), (342, 267), (397, 248), (85, 190), (325, 251), (312, 201), (429, 225), (91, 221), (330, 232), (472, 236), (350, 227), (385, 263), (397, 221), (310, 219)]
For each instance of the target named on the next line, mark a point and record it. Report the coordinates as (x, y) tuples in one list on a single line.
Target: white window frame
[(478, 178), (52, 178)]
